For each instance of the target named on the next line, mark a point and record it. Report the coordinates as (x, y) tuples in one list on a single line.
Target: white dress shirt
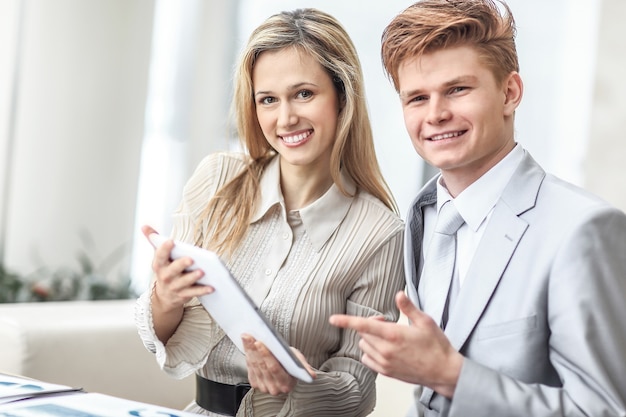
[(475, 205)]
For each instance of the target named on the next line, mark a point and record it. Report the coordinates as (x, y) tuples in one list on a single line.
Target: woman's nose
[(287, 115)]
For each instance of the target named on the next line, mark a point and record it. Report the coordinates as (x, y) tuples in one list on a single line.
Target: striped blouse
[(338, 255)]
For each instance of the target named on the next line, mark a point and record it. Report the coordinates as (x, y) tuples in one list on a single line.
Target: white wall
[(556, 43), (78, 128), (10, 15), (605, 160)]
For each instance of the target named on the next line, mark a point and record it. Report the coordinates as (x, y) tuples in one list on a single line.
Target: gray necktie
[(439, 262)]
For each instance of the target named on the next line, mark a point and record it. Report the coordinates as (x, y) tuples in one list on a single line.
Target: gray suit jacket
[(541, 316)]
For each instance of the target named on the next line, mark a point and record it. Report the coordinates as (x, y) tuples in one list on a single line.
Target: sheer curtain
[(166, 132), (186, 110)]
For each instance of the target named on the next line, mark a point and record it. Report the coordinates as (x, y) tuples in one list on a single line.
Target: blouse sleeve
[(344, 386), (188, 348)]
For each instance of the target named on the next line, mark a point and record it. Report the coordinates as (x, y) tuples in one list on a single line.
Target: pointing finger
[(372, 325), (407, 307)]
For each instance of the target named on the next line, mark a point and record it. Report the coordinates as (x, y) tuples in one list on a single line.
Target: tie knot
[(449, 219)]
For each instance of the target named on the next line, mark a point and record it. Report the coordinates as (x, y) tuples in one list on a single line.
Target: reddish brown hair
[(431, 25)]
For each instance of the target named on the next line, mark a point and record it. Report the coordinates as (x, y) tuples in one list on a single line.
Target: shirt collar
[(270, 190), (476, 201), (320, 218)]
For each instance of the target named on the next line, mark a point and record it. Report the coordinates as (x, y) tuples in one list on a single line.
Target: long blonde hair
[(322, 36)]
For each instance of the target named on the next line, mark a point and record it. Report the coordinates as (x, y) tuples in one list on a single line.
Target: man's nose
[(438, 111)]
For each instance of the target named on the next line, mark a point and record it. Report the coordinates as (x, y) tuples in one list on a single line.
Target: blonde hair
[(431, 25), (322, 36)]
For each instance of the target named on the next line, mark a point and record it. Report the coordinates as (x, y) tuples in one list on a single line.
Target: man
[(537, 326)]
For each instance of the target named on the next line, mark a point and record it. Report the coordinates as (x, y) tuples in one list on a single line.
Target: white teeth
[(446, 136), (296, 138)]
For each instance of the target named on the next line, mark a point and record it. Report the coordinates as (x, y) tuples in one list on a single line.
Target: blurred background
[(106, 107)]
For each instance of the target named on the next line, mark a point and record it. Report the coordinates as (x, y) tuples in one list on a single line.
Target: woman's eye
[(304, 94), (267, 100)]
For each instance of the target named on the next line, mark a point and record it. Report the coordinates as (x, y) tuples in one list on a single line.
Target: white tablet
[(232, 308)]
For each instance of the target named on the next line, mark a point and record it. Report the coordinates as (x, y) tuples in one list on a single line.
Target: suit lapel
[(501, 237), (496, 248), (413, 235)]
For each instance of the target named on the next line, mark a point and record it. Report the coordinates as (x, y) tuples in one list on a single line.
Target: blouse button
[(268, 271), (285, 235)]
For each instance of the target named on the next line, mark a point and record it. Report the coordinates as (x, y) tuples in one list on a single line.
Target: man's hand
[(419, 353)]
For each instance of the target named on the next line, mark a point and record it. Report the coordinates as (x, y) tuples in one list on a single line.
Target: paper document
[(86, 405), (14, 388)]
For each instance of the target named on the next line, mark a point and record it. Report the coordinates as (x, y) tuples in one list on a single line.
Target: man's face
[(459, 118)]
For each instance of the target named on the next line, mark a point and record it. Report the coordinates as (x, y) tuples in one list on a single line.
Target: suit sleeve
[(587, 346)]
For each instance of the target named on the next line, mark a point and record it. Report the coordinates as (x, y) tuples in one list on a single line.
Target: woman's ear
[(341, 91), (513, 92), (342, 102)]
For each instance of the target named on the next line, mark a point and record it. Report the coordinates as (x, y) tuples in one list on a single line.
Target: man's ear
[(513, 92)]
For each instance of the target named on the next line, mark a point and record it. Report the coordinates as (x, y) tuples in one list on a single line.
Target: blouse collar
[(320, 218)]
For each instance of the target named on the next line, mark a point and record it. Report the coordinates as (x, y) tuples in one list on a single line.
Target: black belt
[(219, 398)]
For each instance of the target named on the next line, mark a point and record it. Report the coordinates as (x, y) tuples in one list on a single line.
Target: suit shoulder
[(560, 192), (565, 205)]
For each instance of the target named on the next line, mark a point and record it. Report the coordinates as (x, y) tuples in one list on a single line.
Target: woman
[(304, 221)]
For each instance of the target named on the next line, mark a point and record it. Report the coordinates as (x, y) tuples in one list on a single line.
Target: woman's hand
[(173, 287), (265, 373)]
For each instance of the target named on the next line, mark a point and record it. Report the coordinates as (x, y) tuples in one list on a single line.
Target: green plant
[(88, 280), (10, 285)]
